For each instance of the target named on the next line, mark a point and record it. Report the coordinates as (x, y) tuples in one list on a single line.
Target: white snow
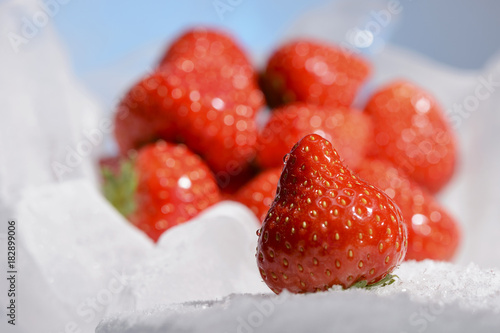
[(429, 297)]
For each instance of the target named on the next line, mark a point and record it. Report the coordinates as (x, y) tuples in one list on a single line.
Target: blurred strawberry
[(146, 113), (205, 95), (163, 186), (172, 107), (222, 132), (213, 57), (432, 232), (233, 180), (258, 193), (410, 131), (313, 72), (349, 131)]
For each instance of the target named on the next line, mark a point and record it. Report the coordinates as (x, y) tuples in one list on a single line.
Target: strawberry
[(112, 164), (258, 193), (145, 114), (204, 94), (350, 132), (313, 72), (214, 58), (411, 132), (432, 231), (210, 122), (165, 185), (326, 226), (231, 183), (222, 132)]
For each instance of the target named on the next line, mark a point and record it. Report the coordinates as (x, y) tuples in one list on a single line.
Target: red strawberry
[(145, 114), (211, 122), (432, 232), (167, 185), (258, 193), (231, 183), (213, 57), (327, 227), (222, 132), (411, 132), (112, 164), (349, 131), (313, 72)]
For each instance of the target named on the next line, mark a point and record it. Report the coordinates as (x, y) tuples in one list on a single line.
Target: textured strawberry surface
[(214, 58), (145, 114), (173, 185), (349, 131), (258, 193), (313, 72), (412, 132), (326, 226), (204, 94), (432, 232)]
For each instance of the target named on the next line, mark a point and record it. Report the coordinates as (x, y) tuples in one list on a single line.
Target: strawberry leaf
[(387, 280), (119, 188)]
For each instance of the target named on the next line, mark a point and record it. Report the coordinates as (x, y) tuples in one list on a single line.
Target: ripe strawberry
[(411, 132), (174, 107), (166, 185), (231, 183), (349, 131), (213, 57), (222, 132), (258, 193), (204, 94), (145, 114), (432, 232), (312, 72), (327, 227)]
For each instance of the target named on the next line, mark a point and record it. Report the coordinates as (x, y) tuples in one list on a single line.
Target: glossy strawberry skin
[(432, 231), (327, 227), (145, 114), (224, 133), (204, 94), (350, 132), (213, 58), (313, 72), (173, 186), (412, 133), (258, 193), (179, 108)]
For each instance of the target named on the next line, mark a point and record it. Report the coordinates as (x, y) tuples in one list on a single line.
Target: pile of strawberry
[(342, 193)]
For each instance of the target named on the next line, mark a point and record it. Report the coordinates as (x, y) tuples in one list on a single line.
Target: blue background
[(100, 33)]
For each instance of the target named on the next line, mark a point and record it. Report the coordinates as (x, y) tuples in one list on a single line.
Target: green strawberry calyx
[(119, 187), (387, 280)]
